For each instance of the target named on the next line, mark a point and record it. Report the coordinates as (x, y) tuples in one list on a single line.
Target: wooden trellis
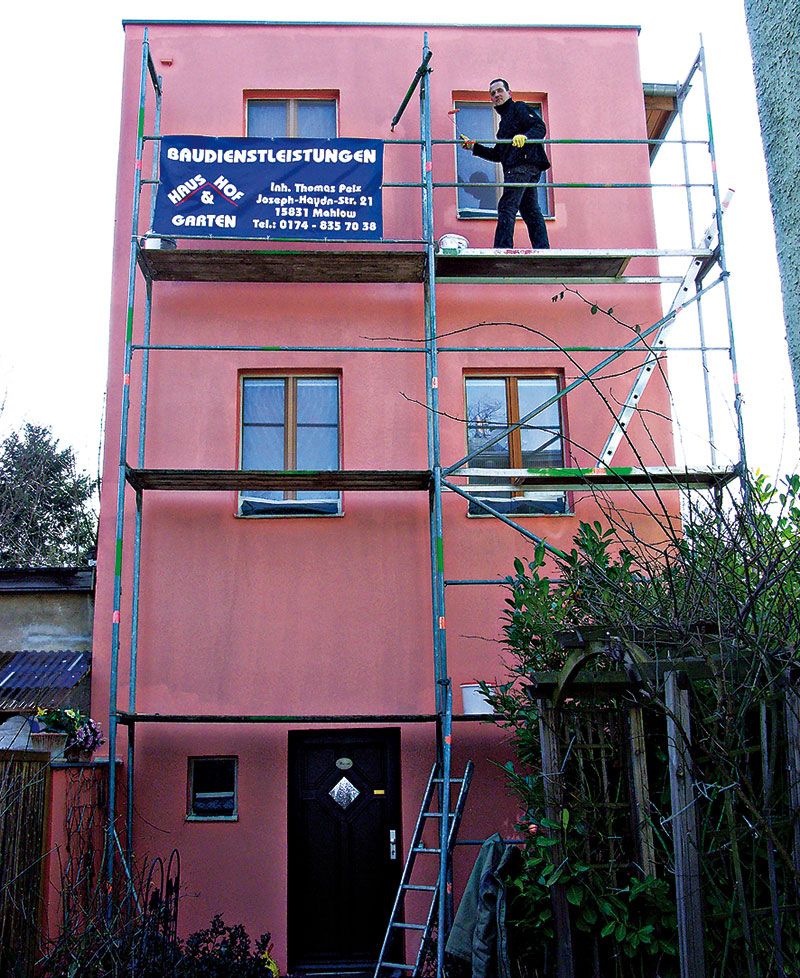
[(639, 684)]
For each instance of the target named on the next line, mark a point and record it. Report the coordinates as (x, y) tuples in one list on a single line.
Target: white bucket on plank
[(453, 243), (474, 700)]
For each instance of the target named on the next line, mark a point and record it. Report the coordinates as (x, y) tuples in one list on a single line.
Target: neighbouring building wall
[(46, 609), (46, 618), (774, 28)]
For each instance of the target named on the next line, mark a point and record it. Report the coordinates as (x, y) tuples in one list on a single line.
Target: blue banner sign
[(312, 189)]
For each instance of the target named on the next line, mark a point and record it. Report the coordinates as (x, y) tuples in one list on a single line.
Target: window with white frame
[(275, 117), (212, 788), (493, 403), (290, 423), (475, 176)]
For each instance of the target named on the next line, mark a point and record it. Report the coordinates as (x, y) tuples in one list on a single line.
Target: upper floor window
[(290, 423), (212, 788), (494, 403), (476, 198), (277, 117)]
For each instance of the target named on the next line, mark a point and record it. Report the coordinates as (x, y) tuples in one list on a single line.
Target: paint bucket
[(474, 700), (452, 243), (160, 244)]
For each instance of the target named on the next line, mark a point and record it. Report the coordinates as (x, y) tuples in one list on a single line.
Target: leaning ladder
[(397, 926), (697, 270)]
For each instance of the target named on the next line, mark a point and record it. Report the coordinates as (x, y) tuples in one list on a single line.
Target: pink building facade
[(306, 603)]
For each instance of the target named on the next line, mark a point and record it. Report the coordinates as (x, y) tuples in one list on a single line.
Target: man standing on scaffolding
[(522, 164)]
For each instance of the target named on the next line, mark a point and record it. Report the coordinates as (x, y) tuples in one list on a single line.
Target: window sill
[(212, 818), (521, 516), (288, 516), (493, 217)]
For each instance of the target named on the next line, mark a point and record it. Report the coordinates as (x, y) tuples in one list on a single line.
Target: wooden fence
[(24, 788)]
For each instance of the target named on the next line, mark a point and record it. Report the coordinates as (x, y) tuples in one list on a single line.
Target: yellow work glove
[(518, 141)]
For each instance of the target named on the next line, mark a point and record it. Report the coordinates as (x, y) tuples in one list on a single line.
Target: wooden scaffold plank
[(210, 480), (257, 265)]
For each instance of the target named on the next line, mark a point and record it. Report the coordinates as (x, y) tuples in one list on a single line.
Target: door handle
[(392, 844)]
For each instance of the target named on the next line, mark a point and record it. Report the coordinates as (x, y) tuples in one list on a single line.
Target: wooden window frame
[(513, 414), (290, 434), (291, 100), (511, 381)]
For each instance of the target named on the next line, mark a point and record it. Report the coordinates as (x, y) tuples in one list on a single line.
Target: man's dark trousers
[(525, 201)]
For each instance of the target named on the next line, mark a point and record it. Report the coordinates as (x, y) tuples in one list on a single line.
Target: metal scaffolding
[(402, 261)]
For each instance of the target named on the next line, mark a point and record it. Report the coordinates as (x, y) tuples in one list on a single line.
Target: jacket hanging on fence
[(478, 935)]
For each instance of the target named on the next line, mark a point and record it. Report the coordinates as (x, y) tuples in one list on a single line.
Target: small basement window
[(212, 788)]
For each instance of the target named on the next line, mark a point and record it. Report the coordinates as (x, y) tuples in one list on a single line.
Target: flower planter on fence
[(53, 742)]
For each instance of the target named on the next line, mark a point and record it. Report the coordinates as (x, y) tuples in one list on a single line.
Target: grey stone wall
[(45, 621), (46, 608), (774, 28)]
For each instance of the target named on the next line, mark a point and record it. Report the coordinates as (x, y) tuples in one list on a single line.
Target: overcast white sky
[(62, 71)]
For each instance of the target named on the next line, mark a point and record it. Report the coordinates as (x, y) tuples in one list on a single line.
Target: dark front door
[(344, 846)]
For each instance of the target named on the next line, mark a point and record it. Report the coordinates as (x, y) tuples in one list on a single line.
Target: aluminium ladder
[(397, 925), (696, 272)]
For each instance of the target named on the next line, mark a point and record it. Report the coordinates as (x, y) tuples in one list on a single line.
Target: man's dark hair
[(508, 87)]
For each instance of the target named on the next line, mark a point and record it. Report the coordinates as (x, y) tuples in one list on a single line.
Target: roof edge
[(369, 23), (666, 90), (46, 579)]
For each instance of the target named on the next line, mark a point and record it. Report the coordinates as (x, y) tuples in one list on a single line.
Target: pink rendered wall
[(333, 615), (74, 821)]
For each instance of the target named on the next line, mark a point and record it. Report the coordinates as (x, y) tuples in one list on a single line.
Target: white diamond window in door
[(344, 793)]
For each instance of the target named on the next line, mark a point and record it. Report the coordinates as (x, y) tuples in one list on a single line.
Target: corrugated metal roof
[(31, 678)]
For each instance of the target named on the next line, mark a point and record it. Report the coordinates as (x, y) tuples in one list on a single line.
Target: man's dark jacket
[(516, 118), (479, 933)]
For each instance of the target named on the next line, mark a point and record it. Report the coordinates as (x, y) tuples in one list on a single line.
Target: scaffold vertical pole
[(683, 91), (137, 544), (737, 403), (442, 683), (429, 312), (137, 553), (445, 873), (432, 399), (132, 679), (123, 444)]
